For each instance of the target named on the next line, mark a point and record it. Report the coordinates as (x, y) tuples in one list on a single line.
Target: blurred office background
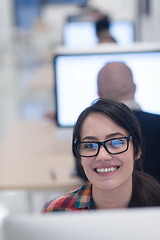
[(30, 32)]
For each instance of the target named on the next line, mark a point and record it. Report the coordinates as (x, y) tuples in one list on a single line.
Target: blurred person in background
[(102, 30), (102, 24)]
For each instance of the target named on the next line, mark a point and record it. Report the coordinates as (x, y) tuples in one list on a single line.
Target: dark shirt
[(150, 125)]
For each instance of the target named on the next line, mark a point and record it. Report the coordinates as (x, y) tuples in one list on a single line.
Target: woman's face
[(106, 171)]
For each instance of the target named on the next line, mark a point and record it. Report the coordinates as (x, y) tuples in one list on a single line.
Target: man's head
[(115, 81)]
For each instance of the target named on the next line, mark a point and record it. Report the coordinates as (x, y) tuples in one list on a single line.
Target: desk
[(37, 155)]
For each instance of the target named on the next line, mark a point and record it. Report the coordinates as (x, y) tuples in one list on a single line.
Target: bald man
[(115, 81)]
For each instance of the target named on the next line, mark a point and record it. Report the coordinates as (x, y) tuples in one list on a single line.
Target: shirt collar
[(132, 104), (84, 198)]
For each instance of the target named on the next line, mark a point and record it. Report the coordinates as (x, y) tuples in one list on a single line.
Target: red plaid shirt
[(77, 199)]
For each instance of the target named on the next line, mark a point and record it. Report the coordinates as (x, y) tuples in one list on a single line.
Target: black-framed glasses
[(112, 146)]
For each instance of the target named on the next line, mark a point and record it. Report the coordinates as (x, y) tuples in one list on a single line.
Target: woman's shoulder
[(68, 201)]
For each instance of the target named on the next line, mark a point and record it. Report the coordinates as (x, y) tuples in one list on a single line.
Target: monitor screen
[(122, 30), (122, 224), (76, 80)]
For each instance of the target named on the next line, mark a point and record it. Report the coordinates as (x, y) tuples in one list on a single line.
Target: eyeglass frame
[(103, 143)]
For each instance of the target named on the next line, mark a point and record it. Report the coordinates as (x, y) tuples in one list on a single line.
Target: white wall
[(150, 29), (119, 9), (6, 20), (55, 15)]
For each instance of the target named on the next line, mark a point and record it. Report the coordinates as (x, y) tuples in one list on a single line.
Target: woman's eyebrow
[(111, 135), (89, 138), (117, 134)]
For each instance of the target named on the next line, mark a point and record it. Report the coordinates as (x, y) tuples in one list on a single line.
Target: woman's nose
[(103, 155)]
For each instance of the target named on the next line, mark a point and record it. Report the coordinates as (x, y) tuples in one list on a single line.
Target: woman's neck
[(112, 199)]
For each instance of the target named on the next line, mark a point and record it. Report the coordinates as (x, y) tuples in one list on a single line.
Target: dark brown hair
[(146, 191)]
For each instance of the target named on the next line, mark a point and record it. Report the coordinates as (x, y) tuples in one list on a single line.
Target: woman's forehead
[(99, 123)]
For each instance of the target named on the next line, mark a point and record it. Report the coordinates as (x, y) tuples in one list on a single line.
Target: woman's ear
[(138, 156)]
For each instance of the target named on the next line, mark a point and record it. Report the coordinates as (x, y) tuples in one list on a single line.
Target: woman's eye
[(90, 146), (87, 145), (117, 143)]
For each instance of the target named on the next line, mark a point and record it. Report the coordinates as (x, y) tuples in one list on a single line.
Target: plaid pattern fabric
[(75, 200)]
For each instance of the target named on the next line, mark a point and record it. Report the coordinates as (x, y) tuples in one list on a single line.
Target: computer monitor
[(122, 30), (76, 79), (125, 224)]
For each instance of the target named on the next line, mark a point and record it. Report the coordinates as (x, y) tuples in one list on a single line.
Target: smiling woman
[(107, 142)]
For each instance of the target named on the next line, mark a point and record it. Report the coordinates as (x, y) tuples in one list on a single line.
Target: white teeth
[(105, 170)]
